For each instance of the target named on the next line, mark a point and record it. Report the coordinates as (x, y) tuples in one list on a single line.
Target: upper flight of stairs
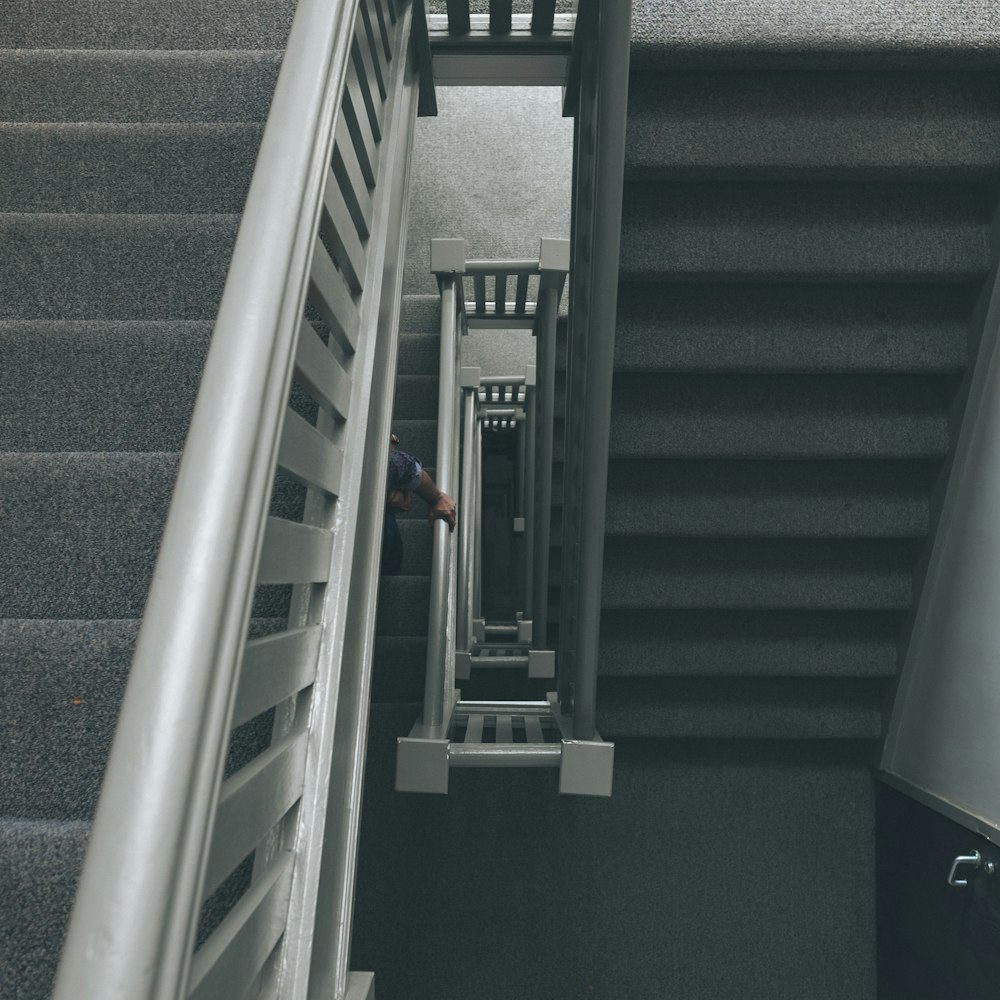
[(129, 132)]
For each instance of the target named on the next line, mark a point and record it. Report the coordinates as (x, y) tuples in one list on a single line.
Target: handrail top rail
[(448, 256)]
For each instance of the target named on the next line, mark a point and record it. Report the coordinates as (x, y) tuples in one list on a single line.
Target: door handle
[(976, 860)]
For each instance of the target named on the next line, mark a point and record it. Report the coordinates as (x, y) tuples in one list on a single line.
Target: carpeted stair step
[(775, 33), (99, 385), (137, 24), (417, 541), (420, 314), (757, 574), (419, 354), (38, 85), (40, 862), (746, 327), (864, 125), (739, 708), (416, 396), (128, 168), (706, 643), (61, 684), (779, 416), (739, 230), (403, 606), (730, 499), (399, 667), (113, 266), (81, 532)]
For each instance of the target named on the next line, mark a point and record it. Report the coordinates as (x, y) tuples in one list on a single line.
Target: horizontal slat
[(499, 661), (341, 235), (253, 800), (505, 729), (360, 129), (501, 267), (294, 553), (504, 755), (352, 182), (330, 296), (533, 729), (383, 27), (367, 79), (474, 732), (308, 456), (374, 43), (275, 667), (227, 963), (541, 709), (318, 372)]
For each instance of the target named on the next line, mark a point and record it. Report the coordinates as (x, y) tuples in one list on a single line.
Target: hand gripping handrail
[(332, 157)]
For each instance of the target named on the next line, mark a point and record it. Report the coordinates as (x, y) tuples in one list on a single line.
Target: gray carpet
[(128, 133)]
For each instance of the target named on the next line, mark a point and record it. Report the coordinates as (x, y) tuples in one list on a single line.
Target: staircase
[(129, 133), (806, 230)]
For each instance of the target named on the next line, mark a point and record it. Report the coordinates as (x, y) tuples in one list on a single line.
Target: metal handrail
[(440, 675), (132, 931)]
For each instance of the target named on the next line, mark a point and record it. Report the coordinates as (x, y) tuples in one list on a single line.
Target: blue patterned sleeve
[(404, 471)]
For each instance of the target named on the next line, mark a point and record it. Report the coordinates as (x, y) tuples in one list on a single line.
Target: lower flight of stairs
[(129, 132)]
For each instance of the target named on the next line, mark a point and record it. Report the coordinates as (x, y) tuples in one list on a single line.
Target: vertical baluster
[(501, 12), (543, 17), (459, 21), (500, 295)]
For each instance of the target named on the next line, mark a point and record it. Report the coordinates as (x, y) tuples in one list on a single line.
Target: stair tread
[(41, 862), (807, 574), (862, 125), (142, 168), (85, 529), (739, 708), (135, 24), (122, 85), (103, 385), (754, 231), (62, 684), (769, 499), (801, 33), (705, 643), (779, 416), (694, 327), (114, 266)]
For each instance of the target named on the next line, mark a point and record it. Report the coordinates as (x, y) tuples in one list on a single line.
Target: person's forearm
[(426, 489)]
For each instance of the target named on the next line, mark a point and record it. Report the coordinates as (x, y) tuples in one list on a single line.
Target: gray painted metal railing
[(322, 226), (597, 93)]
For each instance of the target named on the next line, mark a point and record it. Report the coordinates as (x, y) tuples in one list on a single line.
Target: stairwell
[(129, 132), (806, 230)]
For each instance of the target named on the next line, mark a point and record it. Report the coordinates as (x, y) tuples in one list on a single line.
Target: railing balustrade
[(302, 302)]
